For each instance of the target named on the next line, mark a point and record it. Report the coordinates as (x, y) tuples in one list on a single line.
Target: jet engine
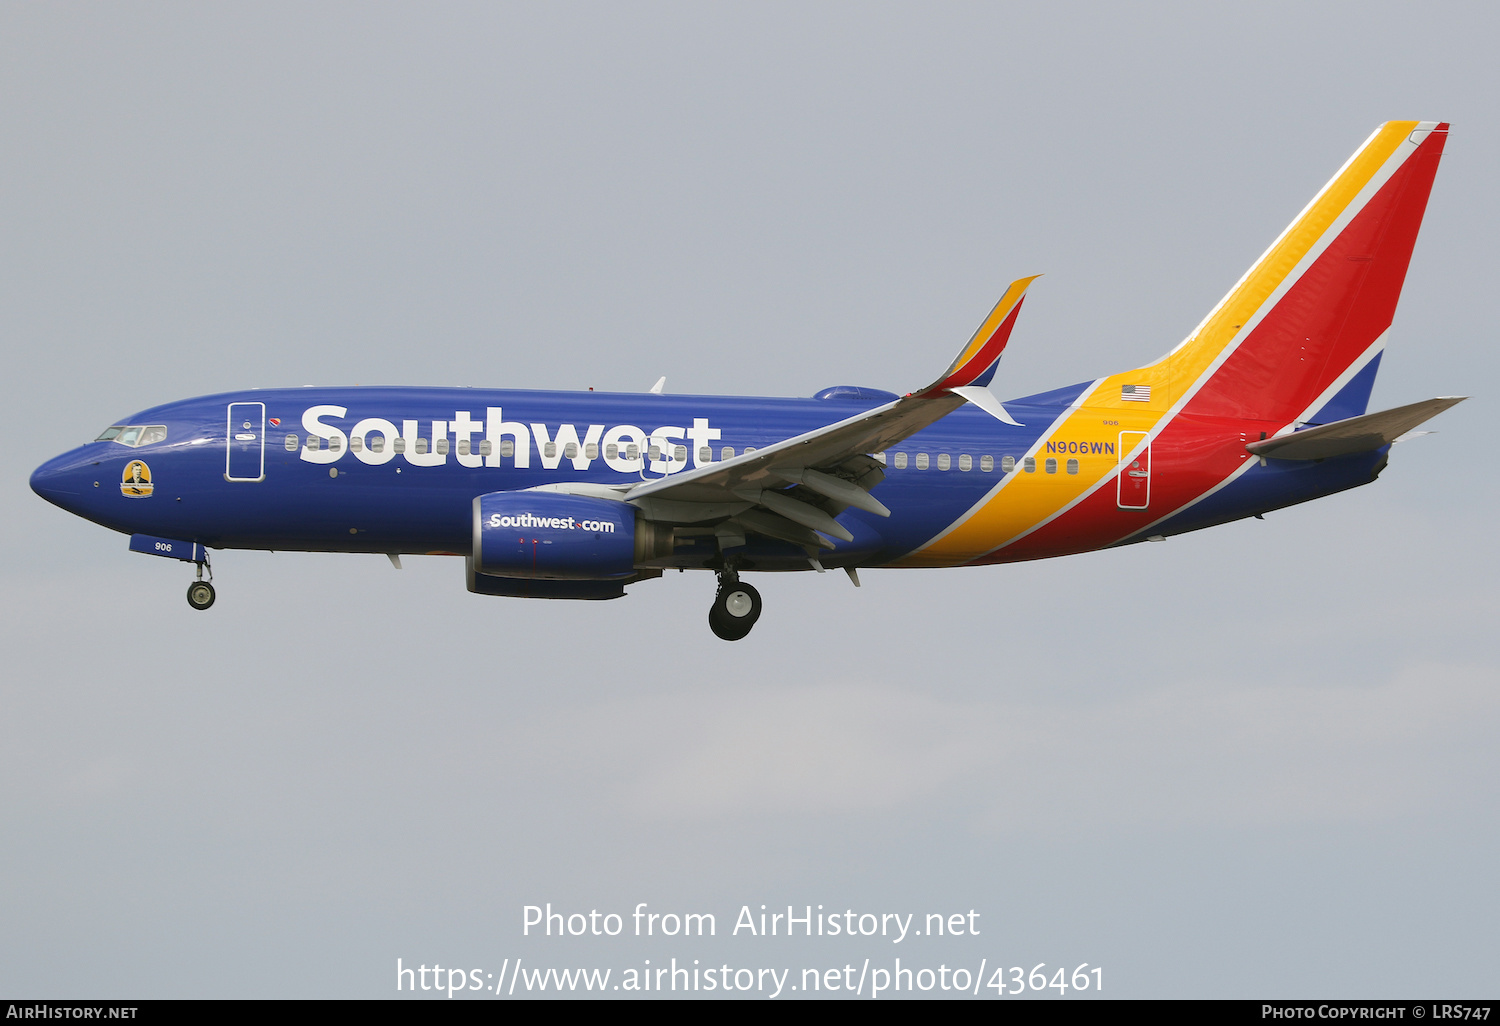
[(553, 536)]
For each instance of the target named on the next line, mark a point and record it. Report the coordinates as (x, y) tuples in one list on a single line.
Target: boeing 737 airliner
[(575, 495)]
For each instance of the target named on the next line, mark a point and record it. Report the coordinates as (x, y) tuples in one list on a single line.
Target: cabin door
[(246, 458)]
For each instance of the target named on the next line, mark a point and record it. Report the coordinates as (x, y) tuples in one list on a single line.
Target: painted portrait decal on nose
[(135, 483)]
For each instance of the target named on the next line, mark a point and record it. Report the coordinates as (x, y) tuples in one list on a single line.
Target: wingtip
[(975, 364)]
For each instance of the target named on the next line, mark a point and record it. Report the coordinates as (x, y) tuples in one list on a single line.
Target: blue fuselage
[(396, 470)]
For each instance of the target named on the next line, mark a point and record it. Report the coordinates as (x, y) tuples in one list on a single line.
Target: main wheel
[(734, 612), (200, 594)]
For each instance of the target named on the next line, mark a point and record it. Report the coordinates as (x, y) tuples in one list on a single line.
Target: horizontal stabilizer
[(1357, 434)]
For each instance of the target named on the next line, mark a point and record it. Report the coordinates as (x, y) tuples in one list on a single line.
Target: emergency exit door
[(1135, 470), (246, 458)]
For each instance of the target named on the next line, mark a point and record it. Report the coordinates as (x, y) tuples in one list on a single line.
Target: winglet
[(976, 362)]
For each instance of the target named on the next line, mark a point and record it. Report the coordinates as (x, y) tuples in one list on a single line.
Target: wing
[(793, 489)]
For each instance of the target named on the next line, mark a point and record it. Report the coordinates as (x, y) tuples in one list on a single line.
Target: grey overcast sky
[(1258, 760)]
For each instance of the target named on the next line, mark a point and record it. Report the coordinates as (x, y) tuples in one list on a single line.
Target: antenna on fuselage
[(661, 383)]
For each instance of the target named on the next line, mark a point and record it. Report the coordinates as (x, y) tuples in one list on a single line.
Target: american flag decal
[(1136, 393)]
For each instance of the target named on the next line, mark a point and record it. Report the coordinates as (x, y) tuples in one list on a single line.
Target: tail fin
[(1300, 335)]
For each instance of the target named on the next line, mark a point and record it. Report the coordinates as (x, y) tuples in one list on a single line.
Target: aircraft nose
[(58, 480)]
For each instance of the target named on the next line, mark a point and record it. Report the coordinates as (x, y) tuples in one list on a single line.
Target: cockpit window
[(135, 435)]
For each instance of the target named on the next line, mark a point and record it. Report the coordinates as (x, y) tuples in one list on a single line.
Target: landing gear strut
[(736, 607), (200, 593)]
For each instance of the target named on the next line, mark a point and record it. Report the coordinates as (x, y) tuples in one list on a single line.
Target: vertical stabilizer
[(1306, 324)]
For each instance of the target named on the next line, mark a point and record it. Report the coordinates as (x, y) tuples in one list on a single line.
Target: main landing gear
[(736, 607), (200, 593)]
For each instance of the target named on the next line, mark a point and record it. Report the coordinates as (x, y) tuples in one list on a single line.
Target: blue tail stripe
[(1353, 399)]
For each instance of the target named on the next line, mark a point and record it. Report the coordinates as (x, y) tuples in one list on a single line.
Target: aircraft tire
[(200, 594), (734, 612)]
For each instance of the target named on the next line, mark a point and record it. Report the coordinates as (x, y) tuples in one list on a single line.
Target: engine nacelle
[(518, 587), (553, 536)]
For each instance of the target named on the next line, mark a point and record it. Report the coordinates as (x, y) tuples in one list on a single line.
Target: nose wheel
[(736, 608), (200, 593)]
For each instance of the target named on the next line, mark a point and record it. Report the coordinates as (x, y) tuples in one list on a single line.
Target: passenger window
[(944, 461), (632, 451), (921, 461), (109, 434), (508, 448), (550, 450), (749, 449), (879, 457), (591, 450), (463, 446), (1007, 464), (1029, 465), (966, 462), (399, 445), (485, 448), (900, 461), (726, 453), (128, 436), (153, 433), (679, 453), (987, 463), (291, 443), (421, 445), (356, 444), (654, 452), (571, 450), (1072, 466), (314, 442), (442, 446), (335, 444), (377, 444), (611, 451), (1051, 465), (705, 454)]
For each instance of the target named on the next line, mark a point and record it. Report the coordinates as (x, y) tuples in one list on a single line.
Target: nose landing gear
[(200, 593), (736, 607)]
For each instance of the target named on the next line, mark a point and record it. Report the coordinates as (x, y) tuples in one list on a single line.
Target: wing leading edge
[(793, 489)]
